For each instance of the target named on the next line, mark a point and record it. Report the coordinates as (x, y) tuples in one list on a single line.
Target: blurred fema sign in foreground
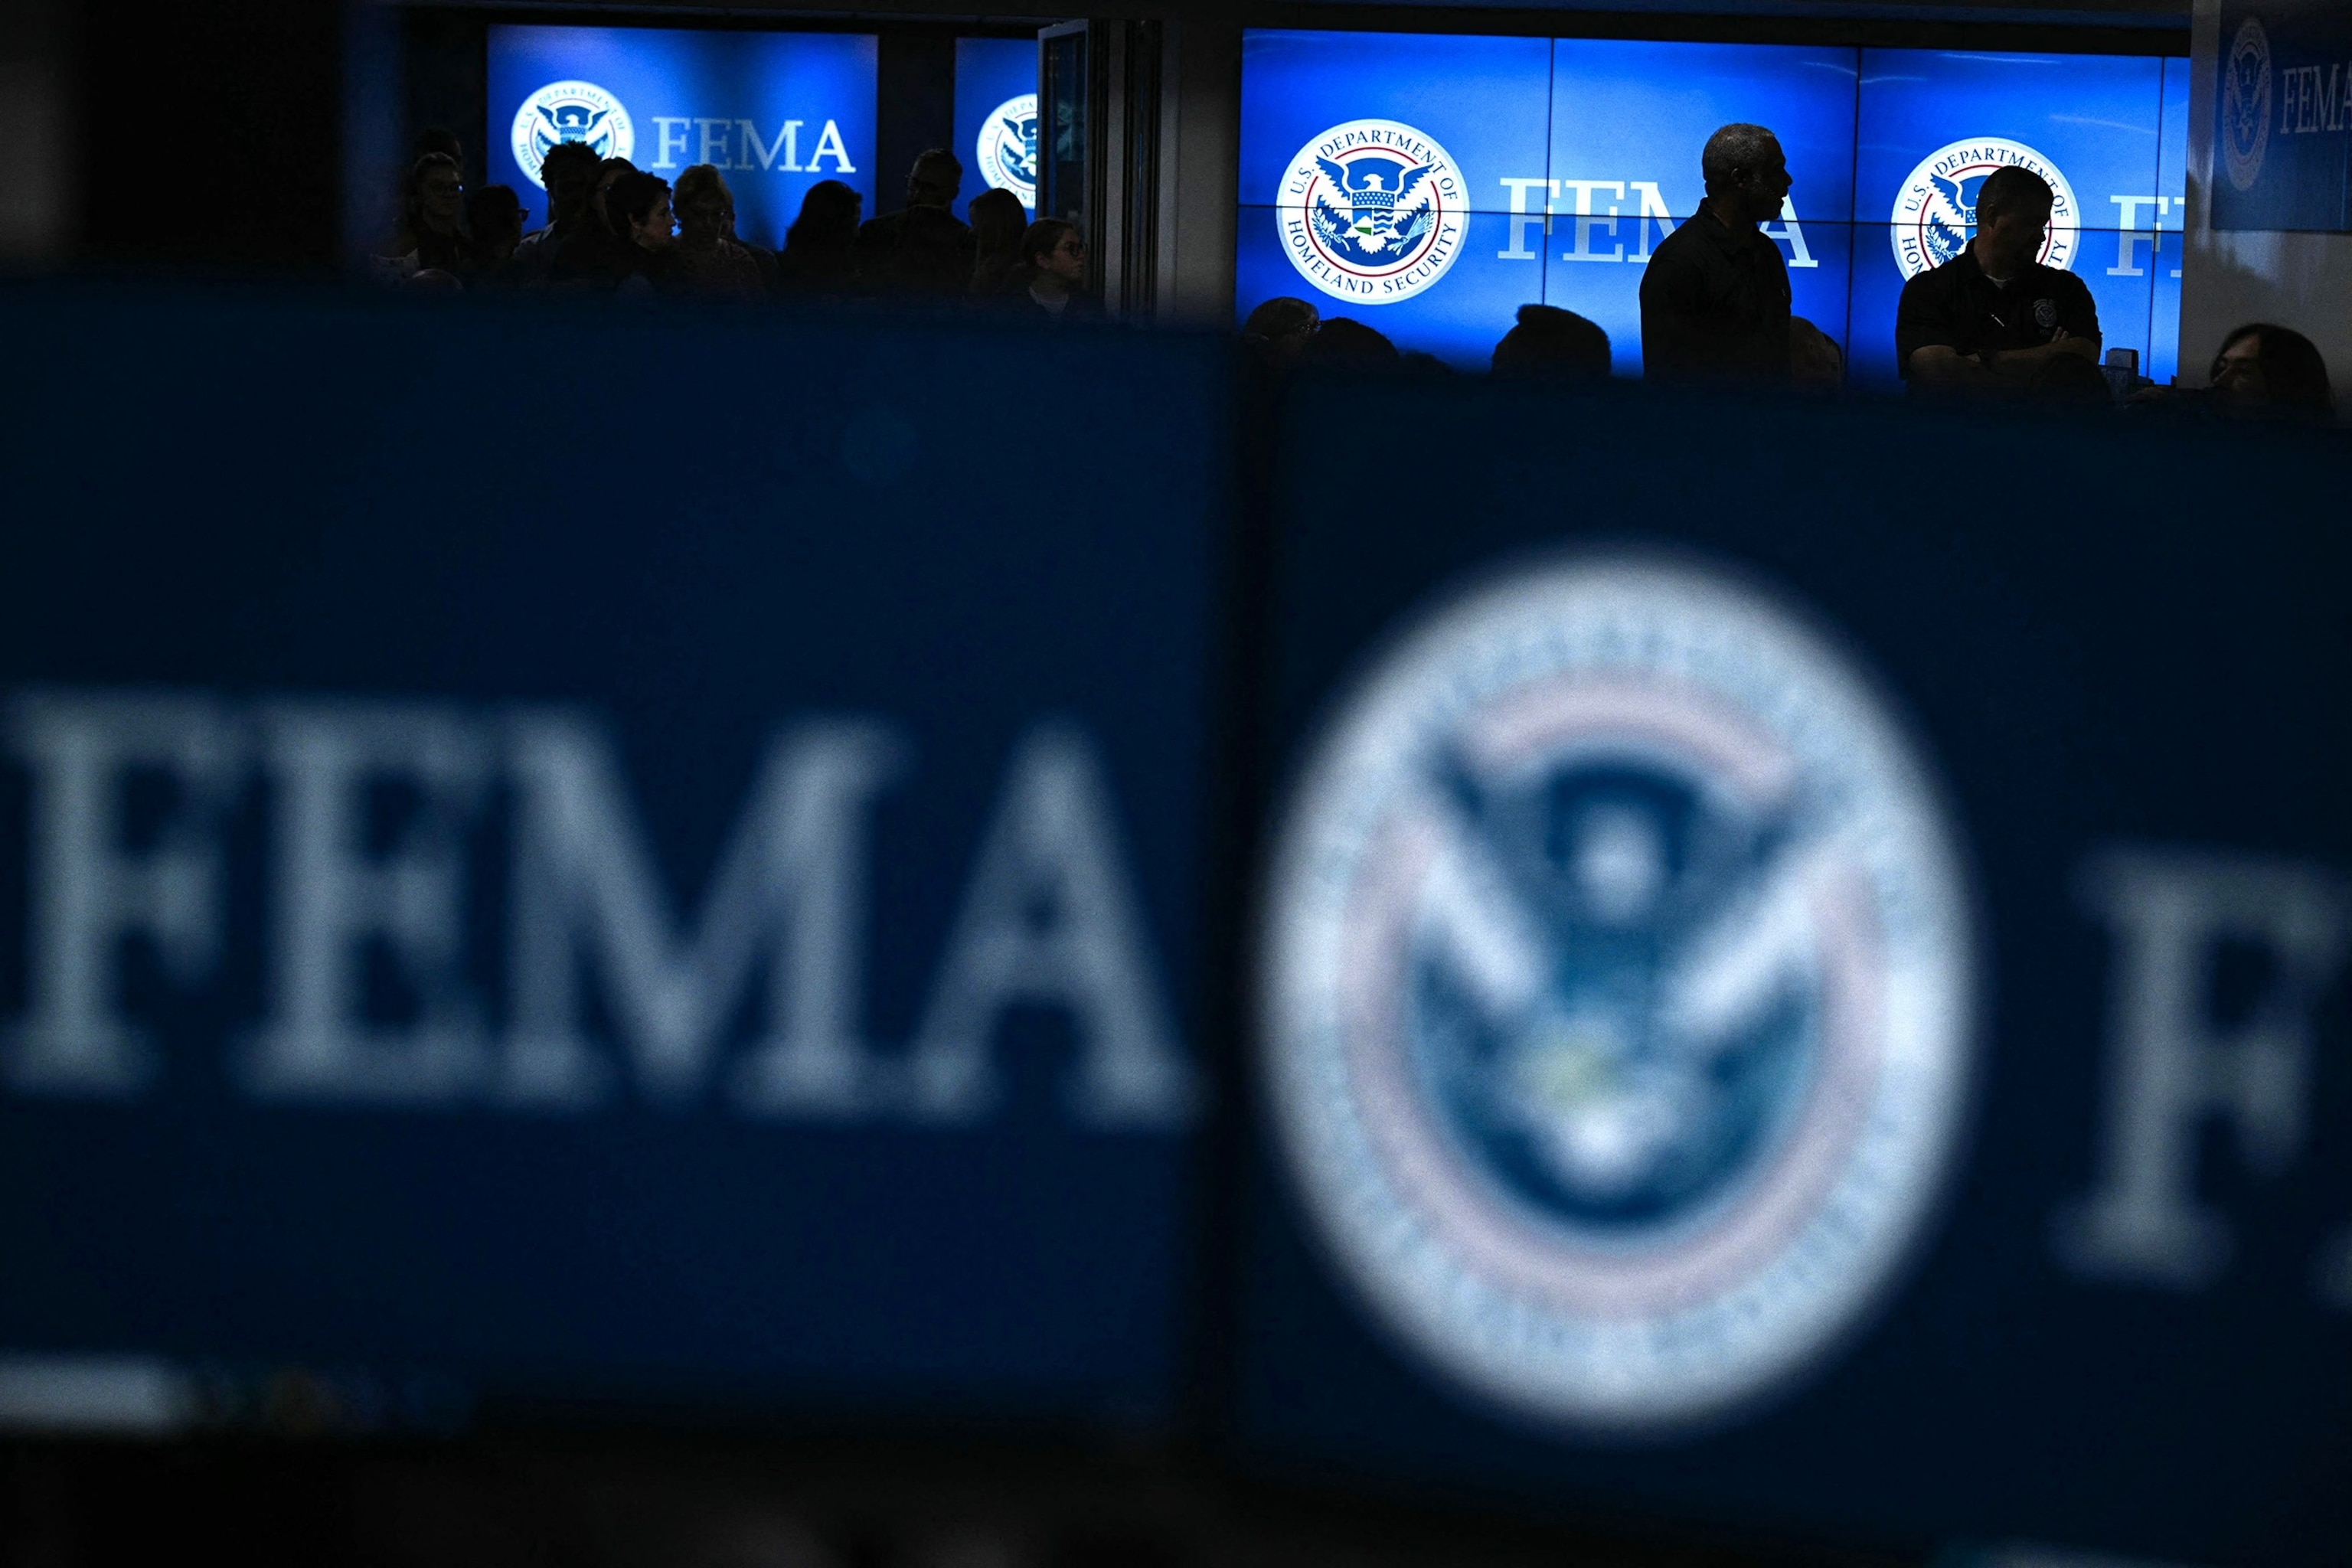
[(1791, 1004), (691, 894), (1779, 1002)]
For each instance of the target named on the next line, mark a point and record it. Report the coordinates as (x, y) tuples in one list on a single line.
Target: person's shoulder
[(2060, 279), (1938, 279), (1674, 245)]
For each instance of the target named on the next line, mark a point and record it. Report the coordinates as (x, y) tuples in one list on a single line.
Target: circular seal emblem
[(1617, 991), (1006, 152), (1936, 211), (1371, 212), (2246, 104), (570, 112)]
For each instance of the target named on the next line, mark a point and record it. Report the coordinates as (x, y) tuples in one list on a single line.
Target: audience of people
[(1991, 321)]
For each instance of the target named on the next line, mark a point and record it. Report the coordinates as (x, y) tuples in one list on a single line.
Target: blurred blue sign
[(670, 916), (996, 118), (1748, 1039), (1570, 159), (2283, 117), (773, 112)]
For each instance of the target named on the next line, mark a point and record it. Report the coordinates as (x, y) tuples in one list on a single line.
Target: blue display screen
[(996, 118), (774, 112), (1431, 186)]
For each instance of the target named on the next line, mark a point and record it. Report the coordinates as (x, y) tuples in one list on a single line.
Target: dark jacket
[(1715, 305), (1956, 306), (921, 250)]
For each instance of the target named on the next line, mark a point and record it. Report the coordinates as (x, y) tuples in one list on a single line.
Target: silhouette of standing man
[(926, 249), (1715, 298)]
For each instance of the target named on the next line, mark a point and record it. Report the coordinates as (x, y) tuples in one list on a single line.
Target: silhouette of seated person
[(998, 221), (1050, 283), (924, 249), (1278, 330), (1551, 344), (1992, 317), (1345, 344), (820, 255), (494, 216), (2267, 371), (709, 259)]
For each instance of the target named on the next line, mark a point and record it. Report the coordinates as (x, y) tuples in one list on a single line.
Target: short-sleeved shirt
[(1957, 306), (1715, 304)]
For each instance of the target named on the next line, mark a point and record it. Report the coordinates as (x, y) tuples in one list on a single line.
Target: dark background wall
[(210, 135)]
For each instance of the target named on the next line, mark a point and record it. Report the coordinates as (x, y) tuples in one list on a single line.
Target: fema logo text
[(465, 909), (1619, 993), (1371, 212), (1935, 212)]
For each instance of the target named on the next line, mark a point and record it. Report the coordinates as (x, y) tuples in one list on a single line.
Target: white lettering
[(788, 879), (1653, 210), (333, 901), (1520, 220), (1792, 234), (1581, 250), (668, 143), (766, 152), (2129, 234), (1050, 917), (829, 141), (2171, 1066), (89, 889), (715, 149)]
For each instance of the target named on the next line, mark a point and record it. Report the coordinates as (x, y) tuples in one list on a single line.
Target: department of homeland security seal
[(569, 111), (1935, 210), (2246, 104), (1006, 151), (1371, 212), (1617, 993)]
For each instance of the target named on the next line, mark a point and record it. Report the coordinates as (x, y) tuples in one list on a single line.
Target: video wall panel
[(996, 119), (773, 112), (1408, 193)]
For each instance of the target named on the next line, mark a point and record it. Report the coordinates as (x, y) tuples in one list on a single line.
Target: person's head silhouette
[(1746, 175), (706, 208), (569, 172), (935, 179), (997, 219), (2272, 369), (1553, 344)]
